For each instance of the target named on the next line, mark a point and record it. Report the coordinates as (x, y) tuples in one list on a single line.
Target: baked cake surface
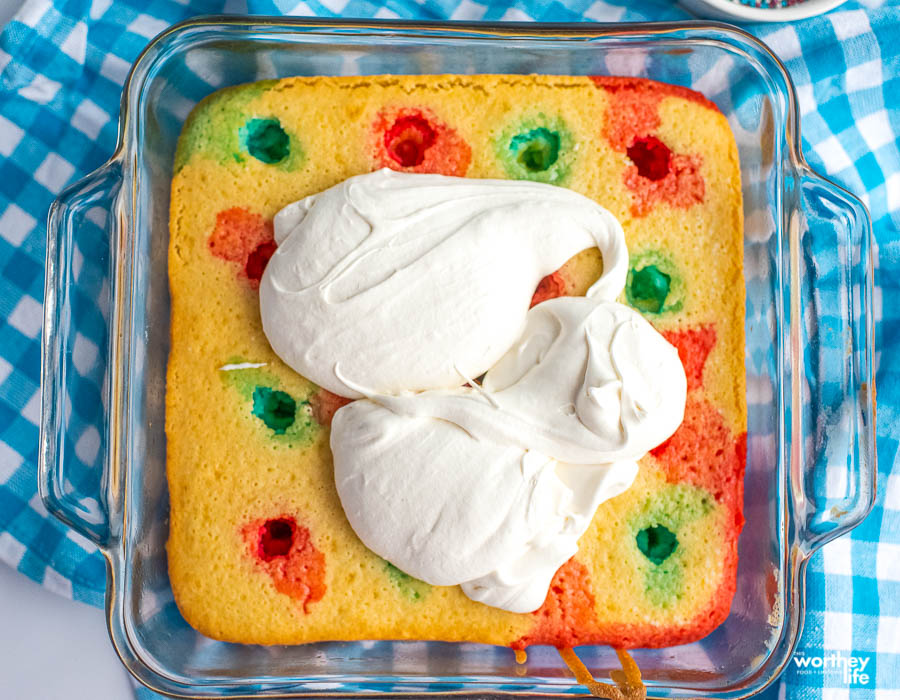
[(259, 548)]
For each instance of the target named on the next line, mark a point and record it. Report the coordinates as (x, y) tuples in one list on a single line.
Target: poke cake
[(456, 358)]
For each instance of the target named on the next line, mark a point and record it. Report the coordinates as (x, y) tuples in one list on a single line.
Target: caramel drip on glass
[(629, 685)]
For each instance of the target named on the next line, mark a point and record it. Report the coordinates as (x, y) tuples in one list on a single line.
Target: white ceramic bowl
[(736, 11)]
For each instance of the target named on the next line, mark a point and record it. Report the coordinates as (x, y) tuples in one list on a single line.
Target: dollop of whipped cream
[(400, 288), (492, 487), (406, 282)]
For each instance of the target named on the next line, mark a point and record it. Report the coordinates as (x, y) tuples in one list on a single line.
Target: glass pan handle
[(833, 459), (73, 474)]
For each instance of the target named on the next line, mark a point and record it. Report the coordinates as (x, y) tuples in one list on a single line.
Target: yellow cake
[(259, 548)]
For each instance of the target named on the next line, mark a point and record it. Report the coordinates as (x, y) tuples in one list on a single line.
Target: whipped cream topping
[(588, 381), (492, 487), (399, 289), (406, 282)]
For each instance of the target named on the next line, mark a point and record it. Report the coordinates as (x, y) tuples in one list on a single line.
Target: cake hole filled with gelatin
[(550, 287), (276, 537), (324, 405), (412, 588), (408, 139), (657, 543), (649, 288), (651, 156), (284, 549), (266, 140), (258, 259), (277, 409), (537, 149)]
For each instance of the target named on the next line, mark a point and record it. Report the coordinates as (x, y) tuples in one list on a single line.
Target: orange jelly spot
[(567, 617), (285, 551), (694, 346), (415, 140), (243, 237), (632, 113), (324, 405), (652, 89), (705, 453), (551, 287), (681, 188)]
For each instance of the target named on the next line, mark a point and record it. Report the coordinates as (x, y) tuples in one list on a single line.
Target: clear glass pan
[(808, 267)]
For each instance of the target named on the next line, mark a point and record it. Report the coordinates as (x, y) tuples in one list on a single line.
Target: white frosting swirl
[(405, 282), (399, 288)]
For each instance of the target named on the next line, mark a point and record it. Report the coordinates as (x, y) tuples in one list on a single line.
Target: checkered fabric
[(62, 66)]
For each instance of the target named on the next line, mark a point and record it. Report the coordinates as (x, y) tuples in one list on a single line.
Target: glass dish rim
[(131, 96)]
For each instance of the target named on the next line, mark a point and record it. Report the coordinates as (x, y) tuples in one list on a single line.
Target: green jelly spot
[(663, 513), (649, 288), (657, 543), (213, 129), (654, 285), (412, 588), (245, 378), (664, 583), (265, 140), (274, 408), (537, 149)]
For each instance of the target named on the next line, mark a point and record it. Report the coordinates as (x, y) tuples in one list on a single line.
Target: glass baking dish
[(808, 266)]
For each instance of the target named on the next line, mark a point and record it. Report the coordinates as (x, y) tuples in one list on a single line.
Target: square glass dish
[(808, 268)]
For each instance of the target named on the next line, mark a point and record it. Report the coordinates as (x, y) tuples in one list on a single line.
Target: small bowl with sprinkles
[(759, 10)]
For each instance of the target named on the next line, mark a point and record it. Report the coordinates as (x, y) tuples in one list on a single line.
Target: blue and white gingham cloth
[(62, 66)]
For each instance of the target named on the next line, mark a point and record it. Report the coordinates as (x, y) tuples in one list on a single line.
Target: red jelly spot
[(416, 140), (681, 188), (634, 106), (408, 139), (614, 84), (704, 452), (651, 156), (240, 235), (631, 118), (285, 551), (552, 286), (567, 617), (630, 114), (324, 405), (275, 538), (258, 259), (694, 346)]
